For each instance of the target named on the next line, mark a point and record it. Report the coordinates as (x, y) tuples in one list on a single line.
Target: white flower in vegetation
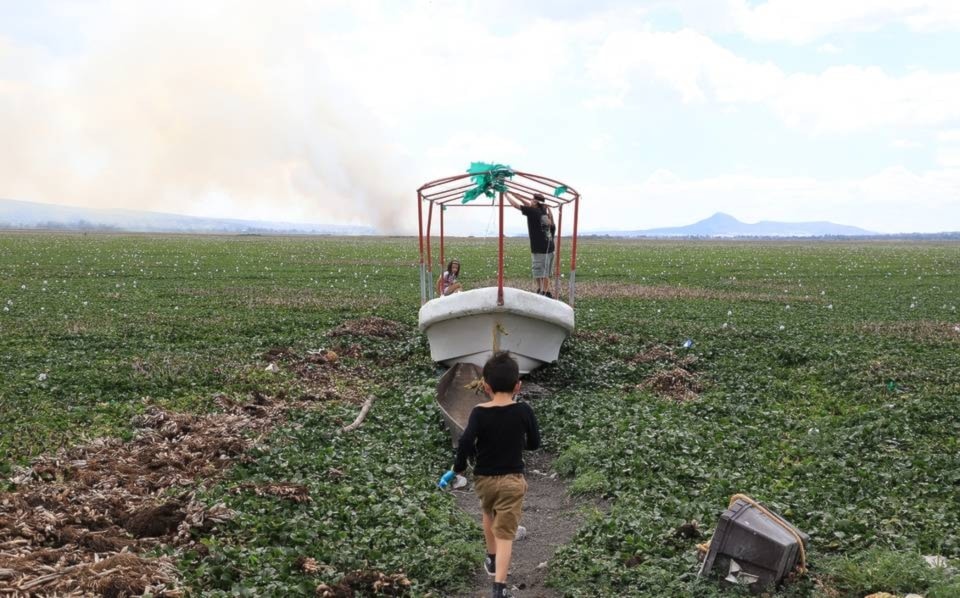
[(782, 327)]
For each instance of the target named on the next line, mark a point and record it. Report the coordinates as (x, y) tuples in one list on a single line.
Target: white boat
[(470, 326)]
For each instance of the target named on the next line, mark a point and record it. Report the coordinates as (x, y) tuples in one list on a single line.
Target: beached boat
[(469, 326)]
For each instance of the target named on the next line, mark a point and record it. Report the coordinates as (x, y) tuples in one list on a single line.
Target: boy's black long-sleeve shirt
[(497, 437)]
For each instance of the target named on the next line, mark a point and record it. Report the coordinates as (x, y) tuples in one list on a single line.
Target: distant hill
[(724, 225), (24, 214)]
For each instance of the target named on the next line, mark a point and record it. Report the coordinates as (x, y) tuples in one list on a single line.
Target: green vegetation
[(823, 380)]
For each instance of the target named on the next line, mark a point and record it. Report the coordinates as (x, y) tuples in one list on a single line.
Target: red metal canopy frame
[(448, 193)]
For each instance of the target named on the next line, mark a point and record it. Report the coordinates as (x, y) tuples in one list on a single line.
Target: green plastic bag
[(488, 178)]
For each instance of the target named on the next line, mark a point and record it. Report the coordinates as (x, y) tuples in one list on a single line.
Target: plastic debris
[(521, 533), (738, 576), (937, 562), (42, 377), (459, 482), (488, 178), (687, 344), (446, 479), (272, 368)]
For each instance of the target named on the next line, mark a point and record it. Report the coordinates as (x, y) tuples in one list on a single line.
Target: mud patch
[(77, 520), (677, 384), (372, 326), (155, 521)]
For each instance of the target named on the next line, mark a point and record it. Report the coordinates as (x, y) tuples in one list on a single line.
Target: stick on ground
[(363, 414)]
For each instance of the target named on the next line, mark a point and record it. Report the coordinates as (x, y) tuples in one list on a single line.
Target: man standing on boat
[(541, 229)]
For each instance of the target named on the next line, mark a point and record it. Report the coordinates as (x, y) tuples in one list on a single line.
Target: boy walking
[(496, 434)]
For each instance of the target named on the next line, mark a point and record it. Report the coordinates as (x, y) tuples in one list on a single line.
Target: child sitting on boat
[(496, 434), (447, 284)]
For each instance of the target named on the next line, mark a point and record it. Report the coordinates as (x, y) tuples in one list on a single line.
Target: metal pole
[(573, 251), (500, 257), (423, 286), (442, 261), (429, 255), (559, 255)]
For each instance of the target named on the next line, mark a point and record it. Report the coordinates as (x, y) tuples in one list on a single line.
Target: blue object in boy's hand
[(446, 479)]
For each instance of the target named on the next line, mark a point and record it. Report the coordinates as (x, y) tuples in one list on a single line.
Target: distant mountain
[(30, 215), (725, 225)]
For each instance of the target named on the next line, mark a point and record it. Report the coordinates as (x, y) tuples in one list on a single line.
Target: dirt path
[(550, 516)]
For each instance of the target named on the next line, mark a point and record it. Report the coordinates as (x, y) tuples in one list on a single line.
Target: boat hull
[(469, 327), (457, 396)]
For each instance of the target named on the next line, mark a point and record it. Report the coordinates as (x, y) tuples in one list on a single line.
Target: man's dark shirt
[(539, 229), (498, 436)]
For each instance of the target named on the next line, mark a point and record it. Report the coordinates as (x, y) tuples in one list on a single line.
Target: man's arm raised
[(516, 201)]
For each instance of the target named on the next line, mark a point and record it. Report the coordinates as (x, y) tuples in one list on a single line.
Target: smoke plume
[(223, 110)]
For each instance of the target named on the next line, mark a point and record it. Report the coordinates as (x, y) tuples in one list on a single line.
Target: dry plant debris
[(80, 521), (653, 354), (677, 383), (366, 583), (370, 326)]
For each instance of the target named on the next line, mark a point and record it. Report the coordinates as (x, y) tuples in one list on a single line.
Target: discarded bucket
[(753, 546)]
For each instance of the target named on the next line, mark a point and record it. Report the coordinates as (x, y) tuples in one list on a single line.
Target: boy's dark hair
[(501, 372), (540, 199)]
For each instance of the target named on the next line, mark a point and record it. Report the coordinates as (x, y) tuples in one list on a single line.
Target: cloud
[(839, 99), (810, 20), (905, 144), (458, 151), (828, 48), (949, 135), (949, 157)]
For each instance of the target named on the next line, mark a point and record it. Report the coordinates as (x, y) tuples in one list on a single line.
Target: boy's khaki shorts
[(502, 496)]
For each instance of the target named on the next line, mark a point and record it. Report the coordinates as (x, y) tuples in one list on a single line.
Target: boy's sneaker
[(500, 591), (548, 294), (490, 565)]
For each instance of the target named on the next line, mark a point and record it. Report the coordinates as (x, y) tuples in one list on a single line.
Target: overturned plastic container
[(753, 546)]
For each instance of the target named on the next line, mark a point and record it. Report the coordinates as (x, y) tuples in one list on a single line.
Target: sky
[(658, 112)]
